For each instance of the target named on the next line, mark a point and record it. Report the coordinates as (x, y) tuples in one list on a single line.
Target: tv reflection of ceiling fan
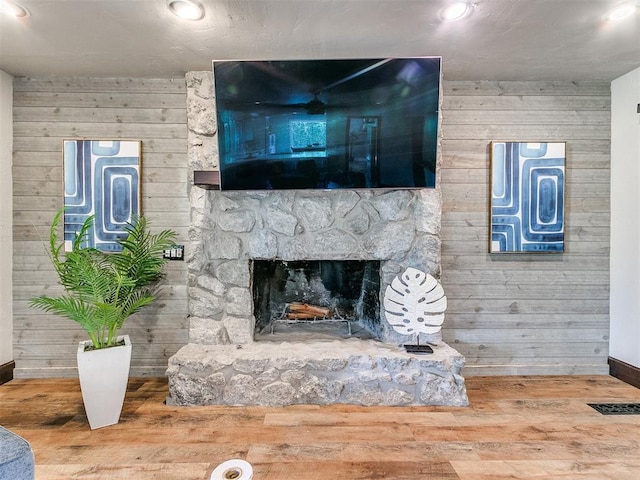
[(315, 106)]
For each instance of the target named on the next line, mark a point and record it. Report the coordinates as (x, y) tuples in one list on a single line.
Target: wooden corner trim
[(6, 371), (624, 371)]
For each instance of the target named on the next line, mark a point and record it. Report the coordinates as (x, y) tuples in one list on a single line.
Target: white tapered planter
[(103, 380)]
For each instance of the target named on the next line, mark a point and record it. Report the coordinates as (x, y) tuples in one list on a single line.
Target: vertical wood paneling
[(526, 313), (47, 110)]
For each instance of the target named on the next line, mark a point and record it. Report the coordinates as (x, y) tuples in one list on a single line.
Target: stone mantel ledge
[(349, 371)]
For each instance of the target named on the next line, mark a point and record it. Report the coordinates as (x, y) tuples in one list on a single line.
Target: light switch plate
[(174, 253)]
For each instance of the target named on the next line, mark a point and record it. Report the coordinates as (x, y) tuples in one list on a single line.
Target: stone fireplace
[(251, 253)]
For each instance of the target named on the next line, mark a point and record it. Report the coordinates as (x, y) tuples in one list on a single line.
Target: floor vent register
[(616, 408)]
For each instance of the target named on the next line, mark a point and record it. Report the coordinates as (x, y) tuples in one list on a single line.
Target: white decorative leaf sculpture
[(415, 303)]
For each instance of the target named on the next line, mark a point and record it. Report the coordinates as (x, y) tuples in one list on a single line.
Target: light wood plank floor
[(514, 428)]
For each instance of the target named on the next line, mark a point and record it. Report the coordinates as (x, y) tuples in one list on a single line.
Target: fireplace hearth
[(250, 250)]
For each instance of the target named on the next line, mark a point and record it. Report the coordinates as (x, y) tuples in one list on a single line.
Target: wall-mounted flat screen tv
[(328, 124)]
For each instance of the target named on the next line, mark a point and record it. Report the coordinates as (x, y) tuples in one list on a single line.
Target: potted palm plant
[(102, 290)]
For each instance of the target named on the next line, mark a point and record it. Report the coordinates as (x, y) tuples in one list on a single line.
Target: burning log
[(306, 311)]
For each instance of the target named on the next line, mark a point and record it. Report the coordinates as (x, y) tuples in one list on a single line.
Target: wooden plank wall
[(509, 314), (46, 111), (526, 313)]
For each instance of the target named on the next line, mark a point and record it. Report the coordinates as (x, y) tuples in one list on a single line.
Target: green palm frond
[(103, 289)]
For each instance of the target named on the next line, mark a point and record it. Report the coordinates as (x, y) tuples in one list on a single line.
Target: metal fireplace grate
[(616, 408)]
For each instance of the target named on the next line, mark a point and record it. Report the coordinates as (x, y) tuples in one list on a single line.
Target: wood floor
[(514, 428)]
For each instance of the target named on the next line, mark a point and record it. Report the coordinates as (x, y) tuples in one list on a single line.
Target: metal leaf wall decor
[(415, 303)]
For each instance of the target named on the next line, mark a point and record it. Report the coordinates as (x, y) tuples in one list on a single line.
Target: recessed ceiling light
[(622, 10), (456, 11), (187, 9), (14, 9)]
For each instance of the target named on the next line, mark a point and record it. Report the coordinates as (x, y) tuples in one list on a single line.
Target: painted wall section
[(6, 217), (625, 219)]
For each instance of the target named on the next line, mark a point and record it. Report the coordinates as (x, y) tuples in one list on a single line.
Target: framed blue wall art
[(101, 178), (527, 197)]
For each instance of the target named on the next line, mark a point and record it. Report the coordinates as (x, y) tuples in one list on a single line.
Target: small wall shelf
[(208, 179)]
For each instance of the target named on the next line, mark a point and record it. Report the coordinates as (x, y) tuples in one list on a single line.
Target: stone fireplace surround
[(223, 364)]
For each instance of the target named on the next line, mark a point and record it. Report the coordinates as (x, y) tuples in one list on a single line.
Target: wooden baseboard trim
[(623, 371), (6, 372)]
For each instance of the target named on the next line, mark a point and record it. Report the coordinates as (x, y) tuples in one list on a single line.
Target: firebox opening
[(316, 297)]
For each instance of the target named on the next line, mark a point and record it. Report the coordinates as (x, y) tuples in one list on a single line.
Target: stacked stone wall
[(223, 364), (400, 228)]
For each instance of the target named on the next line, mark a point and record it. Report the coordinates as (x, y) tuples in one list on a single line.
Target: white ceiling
[(501, 40)]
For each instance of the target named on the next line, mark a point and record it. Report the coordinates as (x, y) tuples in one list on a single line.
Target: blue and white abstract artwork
[(527, 197), (101, 178)]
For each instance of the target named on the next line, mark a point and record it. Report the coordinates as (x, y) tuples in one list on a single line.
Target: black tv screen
[(327, 124)]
